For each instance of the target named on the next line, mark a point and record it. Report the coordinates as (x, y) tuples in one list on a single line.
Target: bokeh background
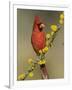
[(55, 55)]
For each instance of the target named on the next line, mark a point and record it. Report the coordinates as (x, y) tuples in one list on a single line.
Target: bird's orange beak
[(42, 26)]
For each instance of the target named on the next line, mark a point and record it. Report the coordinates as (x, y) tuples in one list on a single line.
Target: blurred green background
[(55, 55)]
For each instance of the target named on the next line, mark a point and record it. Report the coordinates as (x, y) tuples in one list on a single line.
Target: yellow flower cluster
[(44, 50), (54, 28), (21, 77), (61, 21), (41, 62), (48, 36), (30, 61), (52, 33), (31, 74)]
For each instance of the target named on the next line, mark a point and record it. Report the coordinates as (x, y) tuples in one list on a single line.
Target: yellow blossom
[(31, 74), (47, 36), (61, 21), (45, 49), (52, 33), (30, 60), (62, 16), (21, 77), (40, 51), (54, 28), (41, 62)]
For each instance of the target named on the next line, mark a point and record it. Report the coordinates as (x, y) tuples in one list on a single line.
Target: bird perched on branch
[(38, 40)]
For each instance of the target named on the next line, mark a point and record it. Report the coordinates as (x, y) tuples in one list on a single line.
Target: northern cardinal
[(38, 41)]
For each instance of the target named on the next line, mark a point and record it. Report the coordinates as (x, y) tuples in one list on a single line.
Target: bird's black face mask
[(40, 29)]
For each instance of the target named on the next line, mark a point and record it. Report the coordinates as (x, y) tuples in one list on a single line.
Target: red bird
[(38, 40), (38, 35)]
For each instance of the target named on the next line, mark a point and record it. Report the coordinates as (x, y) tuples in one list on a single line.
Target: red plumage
[(38, 37)]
